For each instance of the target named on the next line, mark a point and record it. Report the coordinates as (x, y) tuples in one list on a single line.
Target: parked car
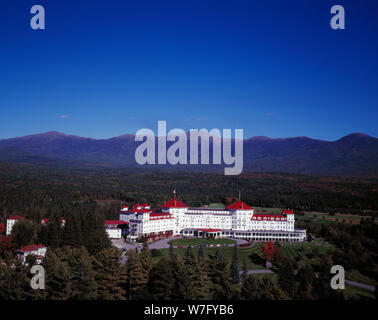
[(180, 247)]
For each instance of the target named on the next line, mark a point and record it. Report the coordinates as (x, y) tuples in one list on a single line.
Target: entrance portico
[(209, 233)]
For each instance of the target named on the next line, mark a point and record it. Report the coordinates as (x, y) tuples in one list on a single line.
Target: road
[(360, 285)]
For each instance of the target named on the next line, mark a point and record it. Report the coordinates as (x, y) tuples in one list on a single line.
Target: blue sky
[(106, 68)]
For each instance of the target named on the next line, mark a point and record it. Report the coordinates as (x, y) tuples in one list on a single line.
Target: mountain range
[(354, 154)]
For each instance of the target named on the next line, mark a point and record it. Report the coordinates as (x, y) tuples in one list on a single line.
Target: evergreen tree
[(171, 250), (271, 292), (161, 283), (110, 274), (245, 270), (235, 267), (57, 277), (137, 276), (83, 281), (97, 237), (250, 289), (286, 278), (305, 278), (23, 233), (189, 252), (180, 277), (201, 252), (54, 231), (220, 277), (72, 230), (14, 283), (146, 258)]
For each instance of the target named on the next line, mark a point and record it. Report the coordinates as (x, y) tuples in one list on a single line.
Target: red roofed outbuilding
[(114, 228), (37, 250)]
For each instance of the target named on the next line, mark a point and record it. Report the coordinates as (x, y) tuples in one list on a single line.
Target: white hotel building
[(238, 220)]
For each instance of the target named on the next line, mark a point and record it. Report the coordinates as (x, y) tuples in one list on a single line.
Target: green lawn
[(320, 217), (300, 249), (198, 241), (228, 252)]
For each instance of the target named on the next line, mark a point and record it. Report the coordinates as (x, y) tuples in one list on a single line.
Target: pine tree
[(83, 281), (161, 283), (189, 252), (110, 274), (72, 230), (245, 271), (271, 292), (180, 277), (286, 278), (171, 250), (97, 236), (146, 258), (55, 232), (201, 252), (14, 283), (137, 276), (235, 267), (57, 277), (250, 289), (219, 275), (23, 233)]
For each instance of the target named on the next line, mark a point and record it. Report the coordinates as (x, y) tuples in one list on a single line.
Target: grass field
[(199, 241), (227, 252), (292, 250), (324, 217)]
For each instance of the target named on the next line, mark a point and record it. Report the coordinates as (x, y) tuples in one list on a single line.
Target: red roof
[(32, 247), (210, 230), (287, 211), (174, 203), (45, 220), (115, 222), (239, 205), (15, 217)]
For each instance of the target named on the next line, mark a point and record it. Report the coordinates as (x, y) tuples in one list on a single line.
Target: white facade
[(113, 228), (11, 221), (237, 220), (114, 233), (142, 220)]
